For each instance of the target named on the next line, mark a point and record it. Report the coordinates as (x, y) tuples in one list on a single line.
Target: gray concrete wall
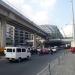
[(3, 33)]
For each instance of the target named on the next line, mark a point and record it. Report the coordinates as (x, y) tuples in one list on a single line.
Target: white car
[(54, 49), (16, 53)]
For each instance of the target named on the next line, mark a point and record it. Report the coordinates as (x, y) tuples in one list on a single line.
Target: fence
[(53, 67)]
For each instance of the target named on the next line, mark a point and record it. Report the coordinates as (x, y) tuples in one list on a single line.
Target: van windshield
[(9, 50)]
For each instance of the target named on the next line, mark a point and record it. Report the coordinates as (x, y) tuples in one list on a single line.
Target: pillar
[(34, 42), (3, 33)]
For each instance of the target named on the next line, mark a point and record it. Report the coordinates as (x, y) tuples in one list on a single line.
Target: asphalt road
[(27, 67)]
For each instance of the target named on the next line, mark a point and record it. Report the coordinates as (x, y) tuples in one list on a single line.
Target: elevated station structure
[(9, 16), (52, 30)]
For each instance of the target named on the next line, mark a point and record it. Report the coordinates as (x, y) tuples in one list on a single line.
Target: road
[(27, 67)]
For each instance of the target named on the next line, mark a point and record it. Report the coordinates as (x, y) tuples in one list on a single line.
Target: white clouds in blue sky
[(36, 10)]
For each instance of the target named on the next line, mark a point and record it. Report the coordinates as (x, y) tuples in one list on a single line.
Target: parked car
[(43, 51), (54, 49), (33, 51), (16, 53), (72, 49)]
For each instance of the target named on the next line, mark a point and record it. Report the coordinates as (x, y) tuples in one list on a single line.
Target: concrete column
[(3, 33), (34, 43)]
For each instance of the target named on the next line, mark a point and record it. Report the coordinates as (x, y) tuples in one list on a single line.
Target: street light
[(73, 21), (73, 41)]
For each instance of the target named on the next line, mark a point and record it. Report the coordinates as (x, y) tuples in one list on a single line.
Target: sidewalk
[(2, 58), (66, 66)]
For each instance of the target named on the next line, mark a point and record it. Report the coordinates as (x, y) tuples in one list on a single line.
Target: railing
[(53, 67)]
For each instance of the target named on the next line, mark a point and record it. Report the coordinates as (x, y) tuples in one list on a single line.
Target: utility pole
[(73, 21), (73, 41)]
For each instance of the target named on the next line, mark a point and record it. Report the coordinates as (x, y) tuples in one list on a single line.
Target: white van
[(14, 53)]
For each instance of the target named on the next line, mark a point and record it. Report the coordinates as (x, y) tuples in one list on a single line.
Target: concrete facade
[(2, 32), (10, 35)]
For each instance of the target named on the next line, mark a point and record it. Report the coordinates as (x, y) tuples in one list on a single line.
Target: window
[(21, 34), (13, 50), (9, 50), (18, 50), (21, 38), (23, 50), (31, 37), (21, 31), (26, 36), (21, 41)]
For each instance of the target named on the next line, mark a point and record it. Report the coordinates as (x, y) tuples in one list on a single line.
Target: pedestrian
[(51, 51)]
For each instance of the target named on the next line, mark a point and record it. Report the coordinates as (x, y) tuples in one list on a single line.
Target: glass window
[(13, 50), (18, 50), (21, 38), (21, 31), (9, 50), (21, 41), (23, 50), (31, 37), (26, 36), (21, 34)]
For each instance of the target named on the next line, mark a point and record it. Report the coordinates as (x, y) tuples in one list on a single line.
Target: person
[(38, 51)]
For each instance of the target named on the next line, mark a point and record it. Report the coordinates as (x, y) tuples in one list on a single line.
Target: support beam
[(34, 43), (3, 33)]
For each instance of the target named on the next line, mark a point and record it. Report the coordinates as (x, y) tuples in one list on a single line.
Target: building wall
[(9, 35), (18, 37)]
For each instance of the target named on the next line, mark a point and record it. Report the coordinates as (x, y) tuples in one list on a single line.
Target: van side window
[(9, 50), (23, 50), (18, 50), (13, 50)]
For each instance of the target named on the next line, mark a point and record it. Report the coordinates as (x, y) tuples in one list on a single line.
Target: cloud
[(15, 3), (47, 3), (44, 3), (21, 6), (39, 15), (67, 31)]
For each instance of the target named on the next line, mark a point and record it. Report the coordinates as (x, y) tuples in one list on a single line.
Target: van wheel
[(19, 59), (9, 60), (28, 57)]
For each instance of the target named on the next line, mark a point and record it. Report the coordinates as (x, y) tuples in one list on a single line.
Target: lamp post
[(73, 21), (73, 41)]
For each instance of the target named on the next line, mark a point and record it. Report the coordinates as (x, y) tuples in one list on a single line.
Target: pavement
[(2, 58), (65, 66)]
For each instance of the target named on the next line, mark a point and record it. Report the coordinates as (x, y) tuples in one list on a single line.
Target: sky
[(41, 12)]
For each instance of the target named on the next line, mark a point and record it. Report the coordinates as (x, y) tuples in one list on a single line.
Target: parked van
[(16, 53)]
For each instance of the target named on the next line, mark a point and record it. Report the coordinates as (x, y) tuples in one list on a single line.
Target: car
[(43, 51), (72, 49), (54, 49)]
